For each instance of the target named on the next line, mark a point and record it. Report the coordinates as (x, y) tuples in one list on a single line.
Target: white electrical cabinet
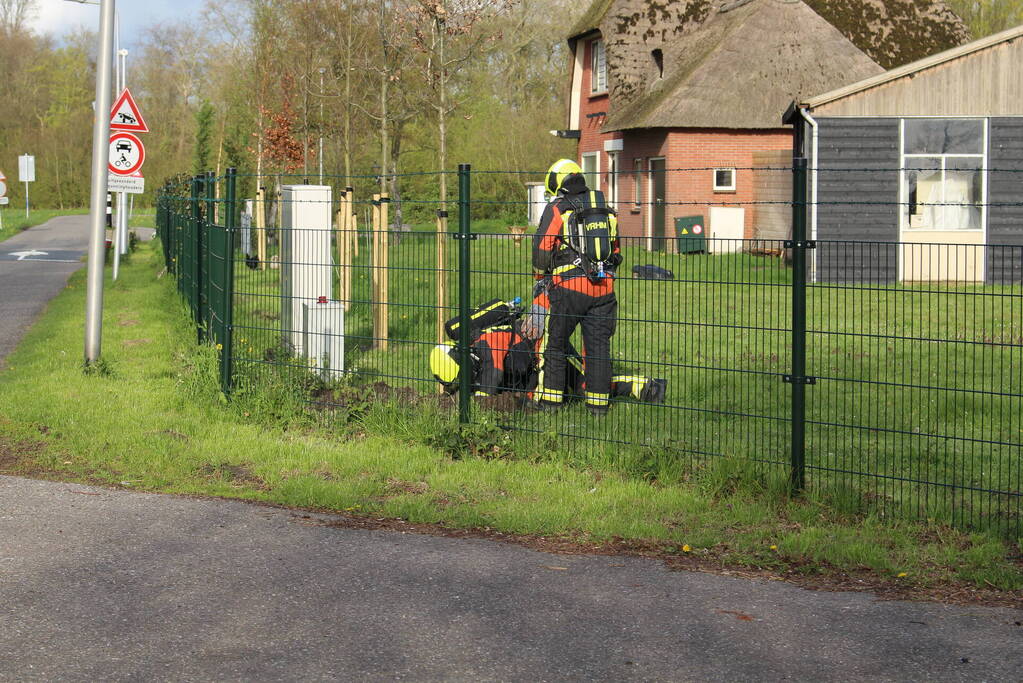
[(324, 337), (305, 260)]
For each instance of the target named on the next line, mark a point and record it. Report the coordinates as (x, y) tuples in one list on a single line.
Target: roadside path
[(35, 265)]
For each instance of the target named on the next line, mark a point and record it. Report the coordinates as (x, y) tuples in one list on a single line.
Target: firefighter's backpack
[(494, 313), (590, 230)]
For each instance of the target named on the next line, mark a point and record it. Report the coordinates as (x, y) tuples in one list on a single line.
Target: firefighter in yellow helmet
[(575, 255)]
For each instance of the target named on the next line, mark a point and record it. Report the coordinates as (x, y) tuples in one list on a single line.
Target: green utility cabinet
[(692, 234)]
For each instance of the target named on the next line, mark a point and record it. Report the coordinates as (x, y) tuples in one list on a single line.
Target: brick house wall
[(687, 192)]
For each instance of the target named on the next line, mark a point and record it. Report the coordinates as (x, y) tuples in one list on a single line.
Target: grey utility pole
[(98, 195)]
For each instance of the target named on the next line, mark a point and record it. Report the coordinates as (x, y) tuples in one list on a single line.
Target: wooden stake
[(385, 204), (375, 268), (261, 227)]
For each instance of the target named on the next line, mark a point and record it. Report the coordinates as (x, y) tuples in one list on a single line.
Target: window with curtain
[(598, 67), (591, 170), (943, 162), (637, 185)]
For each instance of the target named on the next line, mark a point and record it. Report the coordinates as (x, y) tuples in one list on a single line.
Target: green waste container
[(692, 237)]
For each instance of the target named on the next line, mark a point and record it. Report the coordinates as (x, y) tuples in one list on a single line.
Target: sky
[(57, 17)]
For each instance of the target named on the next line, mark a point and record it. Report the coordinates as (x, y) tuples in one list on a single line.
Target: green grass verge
[(151, 417), (14, 219)]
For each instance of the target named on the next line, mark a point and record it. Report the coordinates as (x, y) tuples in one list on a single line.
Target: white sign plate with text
[(126, 183)]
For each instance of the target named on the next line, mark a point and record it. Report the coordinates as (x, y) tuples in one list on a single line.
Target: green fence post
[(227, 289), (194, 253), (205, 230), (798, 377), (463, 236)]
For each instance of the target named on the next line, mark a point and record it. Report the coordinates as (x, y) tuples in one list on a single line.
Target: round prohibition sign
[(126, 154)]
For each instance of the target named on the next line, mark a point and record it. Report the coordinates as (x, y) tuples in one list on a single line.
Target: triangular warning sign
[(126, 115), (684, 231)]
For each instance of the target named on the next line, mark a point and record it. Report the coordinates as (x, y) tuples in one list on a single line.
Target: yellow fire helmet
[(556, 174), (443, 365)]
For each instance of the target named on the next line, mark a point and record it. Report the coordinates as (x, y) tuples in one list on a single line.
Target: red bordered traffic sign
[(126, 154), (126, 115)]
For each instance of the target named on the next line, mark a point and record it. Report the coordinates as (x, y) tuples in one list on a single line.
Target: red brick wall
[(699, 150)]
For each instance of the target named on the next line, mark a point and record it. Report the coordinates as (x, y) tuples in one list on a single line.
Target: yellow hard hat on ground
[(558, 172), (443, 366)]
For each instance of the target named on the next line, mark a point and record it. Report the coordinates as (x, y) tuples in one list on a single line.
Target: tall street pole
[(98, 195), (121, 229)]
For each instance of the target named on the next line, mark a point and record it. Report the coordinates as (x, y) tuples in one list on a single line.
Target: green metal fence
[(887, 374)]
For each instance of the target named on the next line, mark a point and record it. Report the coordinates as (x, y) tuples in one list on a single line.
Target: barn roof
[(911, 71), (738, 63)]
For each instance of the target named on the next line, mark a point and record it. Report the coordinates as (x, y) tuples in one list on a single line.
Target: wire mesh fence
[(886, 374)]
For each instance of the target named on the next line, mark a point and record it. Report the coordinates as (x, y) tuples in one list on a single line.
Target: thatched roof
[(738, 63)]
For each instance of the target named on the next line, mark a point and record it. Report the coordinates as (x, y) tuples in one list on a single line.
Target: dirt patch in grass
[(378, 392), (508, 402), (236, 475), (19, 457)]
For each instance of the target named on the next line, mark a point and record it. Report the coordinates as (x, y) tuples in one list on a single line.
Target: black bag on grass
[(651, 272)]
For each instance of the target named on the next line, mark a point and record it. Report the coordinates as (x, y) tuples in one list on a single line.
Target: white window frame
[(598, 67), (592, 177), (613, 173), (723, 188), (904, 222), (637, 179)]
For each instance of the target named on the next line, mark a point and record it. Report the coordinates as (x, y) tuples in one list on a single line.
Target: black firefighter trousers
[(598, 317)]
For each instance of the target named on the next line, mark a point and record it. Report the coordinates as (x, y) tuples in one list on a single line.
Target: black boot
[(654, 391)]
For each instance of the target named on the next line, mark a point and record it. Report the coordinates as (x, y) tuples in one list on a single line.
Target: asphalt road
[(98, 584), (35, 265)]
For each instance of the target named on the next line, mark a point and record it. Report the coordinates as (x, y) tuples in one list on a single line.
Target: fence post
[(194, 252), (227, 290), (798, 378), (463, 236), (206, 231)]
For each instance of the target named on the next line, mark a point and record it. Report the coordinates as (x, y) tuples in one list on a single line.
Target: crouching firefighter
[(504, 358), (576, 251)]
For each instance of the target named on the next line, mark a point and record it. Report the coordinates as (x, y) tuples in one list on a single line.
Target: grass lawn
[(918, 385), (153, 419)]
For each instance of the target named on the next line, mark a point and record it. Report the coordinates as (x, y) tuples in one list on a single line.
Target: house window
[(598, 67), (612, 178), (724, 180), (637, 182), (943, 164), (591, 170)]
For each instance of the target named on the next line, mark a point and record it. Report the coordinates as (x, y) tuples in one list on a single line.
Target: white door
[(727, 229)]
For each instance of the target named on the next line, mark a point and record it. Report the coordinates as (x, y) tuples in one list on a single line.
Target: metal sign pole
[(119, 86), (97, 206)]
